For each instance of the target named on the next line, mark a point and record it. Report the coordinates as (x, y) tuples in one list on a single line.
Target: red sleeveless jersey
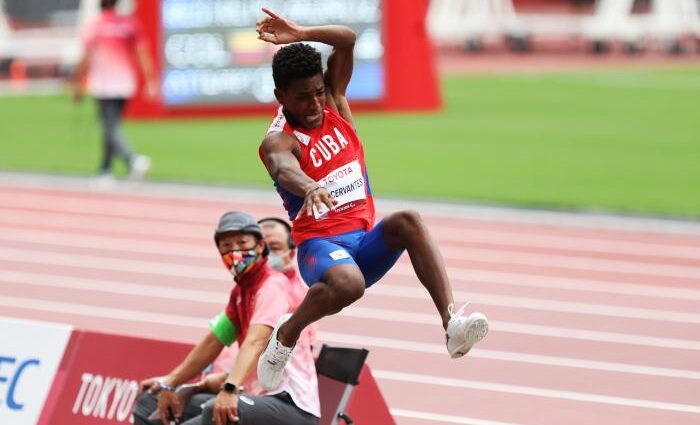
[(332, 155)]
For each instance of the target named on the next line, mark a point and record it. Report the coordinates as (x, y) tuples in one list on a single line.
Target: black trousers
[(278, 409), (113, 144)]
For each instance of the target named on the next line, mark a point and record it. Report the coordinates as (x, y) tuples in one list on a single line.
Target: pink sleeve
[(270, 303)]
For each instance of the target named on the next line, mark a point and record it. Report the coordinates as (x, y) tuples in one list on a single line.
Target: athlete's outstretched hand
[(320, 198), (277, 30)]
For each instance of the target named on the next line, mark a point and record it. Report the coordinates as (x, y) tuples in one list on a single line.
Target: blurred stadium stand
[(40, 33), (43, 36), (653, 24)]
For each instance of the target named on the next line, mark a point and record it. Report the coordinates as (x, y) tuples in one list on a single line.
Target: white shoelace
[(450, 310), (281, 354)]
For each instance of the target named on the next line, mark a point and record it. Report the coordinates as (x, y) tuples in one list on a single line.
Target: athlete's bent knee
[(403, 224), (410, 219), (348, 291), (347, 286)]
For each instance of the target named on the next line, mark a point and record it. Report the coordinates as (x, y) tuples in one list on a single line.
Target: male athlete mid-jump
[(313, 154)]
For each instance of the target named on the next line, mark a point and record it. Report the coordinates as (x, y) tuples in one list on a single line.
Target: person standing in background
[(113, 47)]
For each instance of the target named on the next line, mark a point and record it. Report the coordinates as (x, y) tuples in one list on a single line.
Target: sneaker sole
[(476, 332), (281, 321)]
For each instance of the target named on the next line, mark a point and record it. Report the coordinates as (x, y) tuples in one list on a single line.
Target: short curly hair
[(293, 62)]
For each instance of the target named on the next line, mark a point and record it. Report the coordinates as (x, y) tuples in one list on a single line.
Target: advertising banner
[(51, 374), (30, 353), (210, 61), (103, 374), (211, 52)]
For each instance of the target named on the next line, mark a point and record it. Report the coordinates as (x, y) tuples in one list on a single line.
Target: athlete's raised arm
[(279, 30), (281, 153)]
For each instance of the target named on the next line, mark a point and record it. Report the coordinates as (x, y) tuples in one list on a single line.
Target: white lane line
[(334, 337), (204, 250), (146, 190), (532, 391), (120, 207), (215, 298), (551, 331), (421, 347), (541, 304), (195, 272), (526, 216), (449, 419), (76, 223), (557, 282), (267, 198), (483, 255), (105, 263), (531, 239), (201, 251), (86, 241), (570, 262), (456, 274), (138, 316), (200, 322), (512, 327), (455, 235), (116, 287)]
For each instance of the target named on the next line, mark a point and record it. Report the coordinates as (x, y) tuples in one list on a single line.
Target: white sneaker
[(273, 359), (463, 332), (139, 167), (104, 181)]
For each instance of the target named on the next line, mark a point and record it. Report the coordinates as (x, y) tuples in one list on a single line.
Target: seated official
[(261, 295)]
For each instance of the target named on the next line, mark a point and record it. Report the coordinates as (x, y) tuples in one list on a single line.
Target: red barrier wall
[(98, 378), (97, 382), (367, 405)]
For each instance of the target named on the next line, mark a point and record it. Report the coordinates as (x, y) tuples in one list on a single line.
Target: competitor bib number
[(346, 184)]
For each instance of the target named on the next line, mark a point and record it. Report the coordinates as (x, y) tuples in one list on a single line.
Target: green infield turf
[(622, 141)]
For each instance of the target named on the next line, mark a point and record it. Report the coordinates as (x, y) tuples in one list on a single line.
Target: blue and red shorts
[(366, 250)]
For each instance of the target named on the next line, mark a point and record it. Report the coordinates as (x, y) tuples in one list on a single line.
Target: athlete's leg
[(374, 257), (339, 283), (342, 285), (406, 230)]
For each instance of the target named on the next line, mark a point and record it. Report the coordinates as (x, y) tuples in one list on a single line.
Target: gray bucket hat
[(237, 221)]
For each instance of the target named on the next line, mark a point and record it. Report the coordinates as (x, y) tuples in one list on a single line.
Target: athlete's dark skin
[(303, 102)]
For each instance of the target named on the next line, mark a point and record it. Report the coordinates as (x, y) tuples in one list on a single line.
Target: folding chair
[(338, 370)]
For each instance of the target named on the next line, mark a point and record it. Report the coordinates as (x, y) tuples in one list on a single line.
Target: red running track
[(592, 320)]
